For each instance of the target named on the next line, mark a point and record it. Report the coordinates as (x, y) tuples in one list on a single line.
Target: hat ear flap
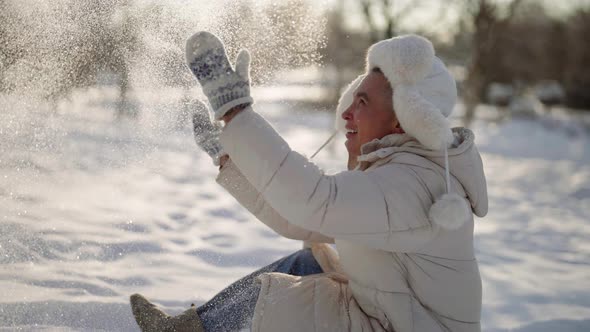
[(421, 119)]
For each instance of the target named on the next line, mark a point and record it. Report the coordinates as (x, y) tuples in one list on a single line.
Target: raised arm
[(383, 209), (238, 186)]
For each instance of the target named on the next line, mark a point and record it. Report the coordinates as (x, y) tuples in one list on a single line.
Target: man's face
[(371, 114)]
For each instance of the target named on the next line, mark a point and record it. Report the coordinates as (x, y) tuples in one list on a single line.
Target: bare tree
[(344, 53), (392, 13), (383, 19), (108, 40), (488, 25), (577, 62), (124, 46)]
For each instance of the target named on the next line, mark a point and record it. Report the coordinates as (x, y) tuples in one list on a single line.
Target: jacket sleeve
[(238, 186), (384, 209)]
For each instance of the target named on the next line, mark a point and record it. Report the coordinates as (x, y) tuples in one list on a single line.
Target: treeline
[(52, 47), (528, 47), (511, 42)]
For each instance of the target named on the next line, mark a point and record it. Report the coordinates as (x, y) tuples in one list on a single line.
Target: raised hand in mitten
[(225, 87), (206, 132)]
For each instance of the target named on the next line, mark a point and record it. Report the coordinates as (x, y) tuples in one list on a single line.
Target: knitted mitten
[(225, 87), (206, 132)]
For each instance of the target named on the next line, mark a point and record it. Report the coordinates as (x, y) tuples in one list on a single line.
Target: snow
[(93, 210)]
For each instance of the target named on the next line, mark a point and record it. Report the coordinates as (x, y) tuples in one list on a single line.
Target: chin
[(348, 144), (352, 148)]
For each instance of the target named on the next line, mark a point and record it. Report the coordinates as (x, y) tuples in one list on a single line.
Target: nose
[(347, 114)]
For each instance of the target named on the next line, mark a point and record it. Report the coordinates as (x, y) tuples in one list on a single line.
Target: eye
[(359, 100)]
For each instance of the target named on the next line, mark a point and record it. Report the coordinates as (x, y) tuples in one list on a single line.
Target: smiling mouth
[(350, 133)]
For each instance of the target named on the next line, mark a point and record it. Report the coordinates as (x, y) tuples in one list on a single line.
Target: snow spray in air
[(117, 59)]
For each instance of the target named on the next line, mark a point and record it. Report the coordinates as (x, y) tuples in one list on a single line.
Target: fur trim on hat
[(403, 60), (421, 119), (346, 99), (450, 211)]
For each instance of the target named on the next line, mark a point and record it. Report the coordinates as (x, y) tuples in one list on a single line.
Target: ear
[(397, 126), (398, 130)]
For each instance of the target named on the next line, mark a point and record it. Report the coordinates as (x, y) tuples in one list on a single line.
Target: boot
[(151, 319)]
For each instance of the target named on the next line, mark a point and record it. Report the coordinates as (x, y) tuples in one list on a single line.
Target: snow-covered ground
[(93, 210)]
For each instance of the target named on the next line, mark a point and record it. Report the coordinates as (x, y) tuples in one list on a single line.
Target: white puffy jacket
[(396, 271)]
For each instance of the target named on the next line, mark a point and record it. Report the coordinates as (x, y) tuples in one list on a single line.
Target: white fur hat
[(424, 95), (424, 92)]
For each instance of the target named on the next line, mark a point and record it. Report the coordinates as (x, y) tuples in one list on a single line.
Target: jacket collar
[(464, 160), (383, 147), (392, 140)]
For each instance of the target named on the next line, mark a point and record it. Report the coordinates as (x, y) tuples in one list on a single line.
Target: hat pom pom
[(450, 211)]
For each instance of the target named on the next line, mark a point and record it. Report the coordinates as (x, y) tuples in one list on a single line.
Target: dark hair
[(377, 70)]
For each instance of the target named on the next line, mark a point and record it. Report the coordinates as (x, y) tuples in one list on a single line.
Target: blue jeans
[(232, 308)]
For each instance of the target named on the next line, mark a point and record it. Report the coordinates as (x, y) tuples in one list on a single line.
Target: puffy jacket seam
[(315, 285), (412, 313), (434, 167), (259, 204), (317, 184), (325, 205), (389, 221), (377, 289), (264, 293), (263, 191), (445, 258), (436, 263), (392, 231), (411, 259), (346, 302), (475, 195), (285, 226), (433, 314), (423, 184), (458, 320), (426, 189)]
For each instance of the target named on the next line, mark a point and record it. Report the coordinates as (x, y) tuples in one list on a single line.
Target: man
[(401, 220)]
